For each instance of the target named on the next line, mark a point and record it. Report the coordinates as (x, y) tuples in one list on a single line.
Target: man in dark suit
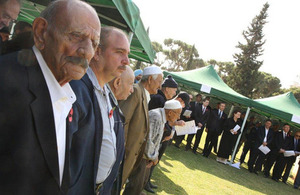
[(36, 100), (264, 137), (286, 163), (200, 113), (277, 148), (214, 127)]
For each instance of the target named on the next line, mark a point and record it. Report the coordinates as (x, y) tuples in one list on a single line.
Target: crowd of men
[(72, 121)]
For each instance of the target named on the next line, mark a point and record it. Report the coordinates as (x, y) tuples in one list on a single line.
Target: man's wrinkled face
[(171, 92), (286, 128), (114, 54), (155, 84), (9, 12), (173, 115), (71, 45)]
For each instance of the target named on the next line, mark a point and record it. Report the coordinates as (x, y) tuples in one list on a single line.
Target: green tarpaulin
[(207, 80), (123, 14), (284, 107)]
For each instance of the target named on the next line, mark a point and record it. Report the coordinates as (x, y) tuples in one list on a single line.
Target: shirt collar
[(57, 92), (147, 95)]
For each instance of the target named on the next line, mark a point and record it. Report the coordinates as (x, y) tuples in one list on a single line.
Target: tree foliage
[(247, 62)]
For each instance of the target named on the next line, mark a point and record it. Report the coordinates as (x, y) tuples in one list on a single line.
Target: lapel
[(42, 112), (145, 105)]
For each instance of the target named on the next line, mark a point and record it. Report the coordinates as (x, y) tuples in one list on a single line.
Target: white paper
[(188, 128), (296, 119), (187, 113), (236, 128), (205, 88), (264, 149), (288, 153)]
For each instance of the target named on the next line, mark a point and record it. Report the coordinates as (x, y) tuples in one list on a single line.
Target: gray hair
[(106, 31), (145, 77)]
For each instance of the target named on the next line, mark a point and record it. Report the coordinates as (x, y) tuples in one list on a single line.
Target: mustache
[(122, 67), (78, 61)]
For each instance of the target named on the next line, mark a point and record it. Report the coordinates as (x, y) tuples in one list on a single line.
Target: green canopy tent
[(123, 14), (284, 107), (208, 81)]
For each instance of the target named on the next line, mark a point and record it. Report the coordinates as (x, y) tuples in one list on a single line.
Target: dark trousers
[(271, 159), (279, 167), (246, 148), (254, 153), (260, 161), (178, 139), (289, 164), (211, 140), (136, 179), (197, 140), (297, 179)]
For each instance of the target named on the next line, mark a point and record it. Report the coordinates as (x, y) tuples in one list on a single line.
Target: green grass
[(182, 172)]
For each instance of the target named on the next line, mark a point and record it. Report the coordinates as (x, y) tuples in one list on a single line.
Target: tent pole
[(231, 111), (239, 138), (130, 36)]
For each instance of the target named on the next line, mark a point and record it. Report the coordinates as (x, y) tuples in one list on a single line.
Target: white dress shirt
[(266, 134), (108, 147), (62, 98), (147, 96)]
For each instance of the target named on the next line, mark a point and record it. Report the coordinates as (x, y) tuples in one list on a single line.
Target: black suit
[(286, 162), (257, 157), (199, 116), (278, 142), (215, 126), (28, 149)]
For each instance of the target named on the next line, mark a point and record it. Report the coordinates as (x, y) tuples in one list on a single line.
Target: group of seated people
[(72, 121)]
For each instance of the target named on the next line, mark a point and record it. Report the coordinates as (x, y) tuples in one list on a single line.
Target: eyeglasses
[(7, 18), (178, 114)]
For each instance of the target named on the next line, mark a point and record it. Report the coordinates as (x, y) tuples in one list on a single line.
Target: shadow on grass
[(209, 165), (161, 180)]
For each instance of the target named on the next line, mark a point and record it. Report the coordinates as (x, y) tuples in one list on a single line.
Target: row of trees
[(242, 75)]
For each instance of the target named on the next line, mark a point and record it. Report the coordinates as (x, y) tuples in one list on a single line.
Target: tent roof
[(284, 106), (207, 80), (123, 14)]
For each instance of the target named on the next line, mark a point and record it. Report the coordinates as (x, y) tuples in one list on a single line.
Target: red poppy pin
[(70, 115), (111, 112)]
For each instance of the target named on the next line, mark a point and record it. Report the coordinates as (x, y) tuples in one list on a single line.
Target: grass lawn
[(182, 172)]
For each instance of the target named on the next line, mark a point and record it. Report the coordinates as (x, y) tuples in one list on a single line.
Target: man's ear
[(150, 78), (39, 32), (97, 54), (117, 83)]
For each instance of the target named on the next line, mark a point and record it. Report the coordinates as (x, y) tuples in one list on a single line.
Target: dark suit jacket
[(87, 131), (260, 136), (214, 122), (28, 149), (115, 176), (198, 115), (279, 142)]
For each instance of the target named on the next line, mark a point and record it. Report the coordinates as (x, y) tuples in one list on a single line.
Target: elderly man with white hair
[(135, 110)]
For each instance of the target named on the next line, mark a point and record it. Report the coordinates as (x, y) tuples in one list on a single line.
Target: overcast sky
[(215, 27)]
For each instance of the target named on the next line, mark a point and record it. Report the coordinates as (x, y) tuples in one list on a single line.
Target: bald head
[(67, 34), (122, 86)]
